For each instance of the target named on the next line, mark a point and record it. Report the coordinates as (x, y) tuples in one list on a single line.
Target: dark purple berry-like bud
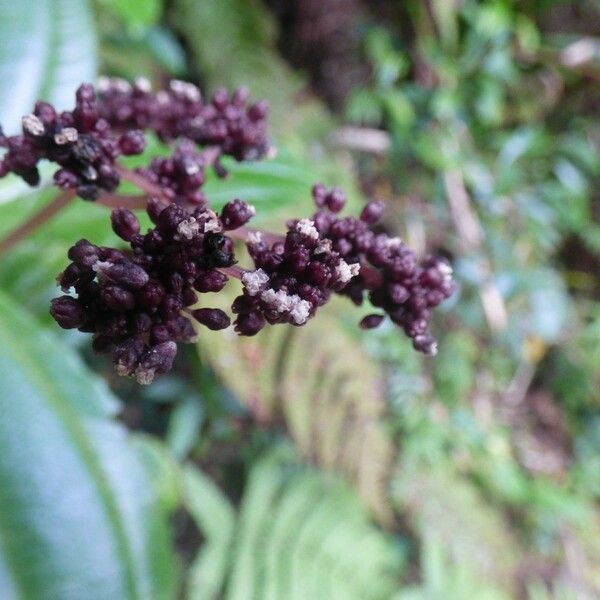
[(236, 213), (157, 360), (84, 254), (335, 200), (210, 281), (127, 354), (213, 318), (117, 298), (319, 193), (372, 212), (249, 324), (125, 273), (132, 142), (124, 223), (371, 321), (67, 312)]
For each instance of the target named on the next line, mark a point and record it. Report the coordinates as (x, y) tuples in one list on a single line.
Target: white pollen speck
[(279, 301), (307, 227), (33, 125), (346, 272), (121, 85), (300, 311), (255, 281), (213, 223), (66, 136), (162, 97), (323, 247), (145, 376), (188, 229)]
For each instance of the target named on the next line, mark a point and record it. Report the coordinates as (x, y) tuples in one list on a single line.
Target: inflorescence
[(140, 302)]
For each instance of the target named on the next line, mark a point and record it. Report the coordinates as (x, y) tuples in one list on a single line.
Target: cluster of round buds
[(180, 175), (293, 277), (138, 304), (390, 273), (228, 122), (80, 141)]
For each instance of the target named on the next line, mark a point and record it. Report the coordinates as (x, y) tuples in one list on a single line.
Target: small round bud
[(124, 223), (371, 321), (213, 318), (372, 212), (67, 312)]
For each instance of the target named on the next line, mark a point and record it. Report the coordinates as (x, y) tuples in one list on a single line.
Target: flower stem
[(139, 181), (132, 202), (36, 220)]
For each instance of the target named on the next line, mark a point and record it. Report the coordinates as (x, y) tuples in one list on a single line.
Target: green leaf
[(77, 514), (136, 14), (299, 534), (48, 48)]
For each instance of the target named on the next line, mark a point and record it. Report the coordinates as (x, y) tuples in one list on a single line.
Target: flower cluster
[(228, 122), (292, 278), (137, 303), (79, 141), (390, 274)]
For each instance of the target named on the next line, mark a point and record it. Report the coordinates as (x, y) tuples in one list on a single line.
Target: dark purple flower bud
[(372, 212), (155, 361), (318, 274), (171, 307), (249, 323), (132, 142), (258, 111), (160, 334), (335, 200), (65, 179), (67, 312), (398, 293), (125, 273), (117, 298), (371, 321), (213, 318), (124, 223), (84, 254), (319, 193), (127, 354), (236, 213), (210, 281)]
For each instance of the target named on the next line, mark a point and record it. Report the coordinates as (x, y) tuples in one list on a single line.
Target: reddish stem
[(233, 271), (132, 202), (139, 181), (36, 220)]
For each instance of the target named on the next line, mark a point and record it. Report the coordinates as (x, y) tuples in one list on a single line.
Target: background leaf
[(77, 515), (48, 49)]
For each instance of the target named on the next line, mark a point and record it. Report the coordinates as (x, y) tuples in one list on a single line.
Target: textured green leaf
[(48, 48), (78, 518)]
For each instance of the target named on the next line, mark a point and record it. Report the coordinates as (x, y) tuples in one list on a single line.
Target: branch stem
[(35, 221)]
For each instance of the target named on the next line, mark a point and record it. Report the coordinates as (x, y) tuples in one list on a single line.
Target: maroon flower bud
[(156, 360), (210, 281), (132, 142), (249, 324), (126, 274), (236, 213), (335, 200), (84, 254), (372, 212), (67, 312), (117, 298), (371, 321), (124, 223), (127, 354), (213, 318)]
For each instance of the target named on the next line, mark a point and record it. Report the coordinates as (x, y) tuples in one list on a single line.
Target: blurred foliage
[(471, 476)]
